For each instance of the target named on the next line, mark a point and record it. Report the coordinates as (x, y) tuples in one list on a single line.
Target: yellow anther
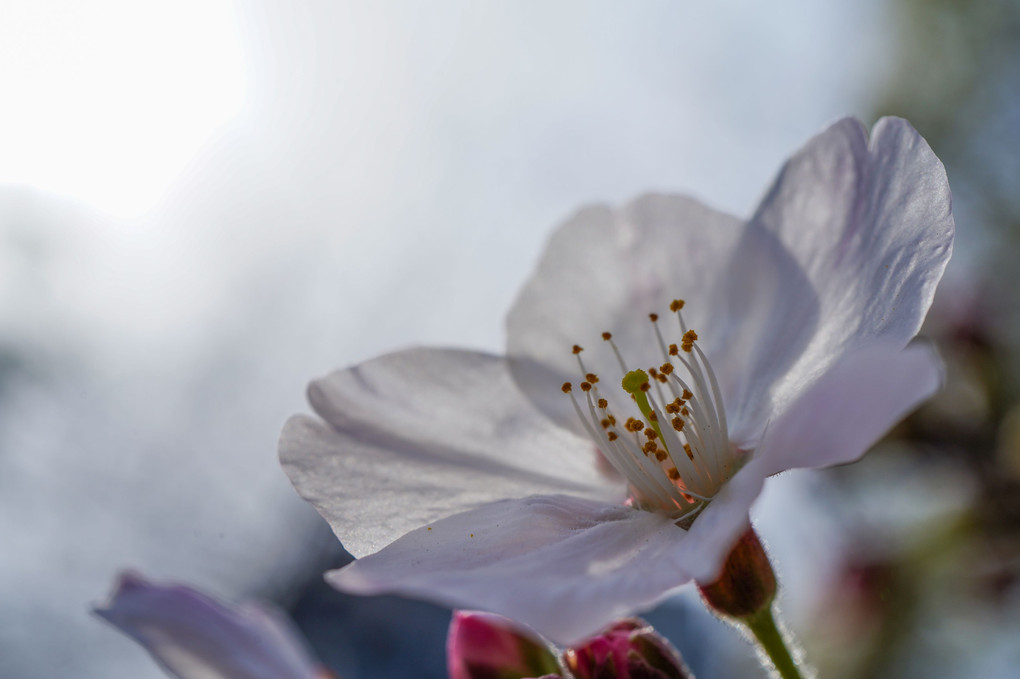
[(577, 349), (687, 395), (688, 340), (592, 377), (607, 336), (603, 403), (585, 386), (566, 387), (661, 455), (674, 350), (653, 317), (673, 474), (612, 436), (676, 305), (650, 434), (678, 424)]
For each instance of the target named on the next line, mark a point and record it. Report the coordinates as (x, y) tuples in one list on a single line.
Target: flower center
[(676, 454)]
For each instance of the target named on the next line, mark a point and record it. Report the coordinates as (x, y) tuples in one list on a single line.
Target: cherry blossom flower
[(473, 480), (193, 636)]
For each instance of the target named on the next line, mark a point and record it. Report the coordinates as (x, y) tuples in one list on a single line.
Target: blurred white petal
[(196, 637)]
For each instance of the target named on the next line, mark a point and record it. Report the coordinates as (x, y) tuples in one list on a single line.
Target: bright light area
[(107, 100)]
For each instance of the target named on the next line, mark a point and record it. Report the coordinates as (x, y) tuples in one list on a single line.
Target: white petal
[(196, 637), (606, 270), (846, 411), (565, 566), (870, 225), (417, 435), (718, 527)]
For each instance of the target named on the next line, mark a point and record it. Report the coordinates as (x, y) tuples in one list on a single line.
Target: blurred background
[(205, 204)]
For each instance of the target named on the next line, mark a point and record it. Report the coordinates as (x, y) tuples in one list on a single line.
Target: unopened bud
[(747, 584), (630, 649), (484, 645)]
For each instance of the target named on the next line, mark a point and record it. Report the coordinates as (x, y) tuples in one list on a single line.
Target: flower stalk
[(744, 594), (771, 640)]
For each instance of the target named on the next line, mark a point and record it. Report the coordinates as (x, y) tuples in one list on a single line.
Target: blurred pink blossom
[(193, 636)]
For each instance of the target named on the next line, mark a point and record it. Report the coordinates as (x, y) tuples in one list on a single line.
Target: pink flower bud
[(487, 646), (630, 649)]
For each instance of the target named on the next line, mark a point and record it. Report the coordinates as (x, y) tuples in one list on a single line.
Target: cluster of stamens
[(676, 468)]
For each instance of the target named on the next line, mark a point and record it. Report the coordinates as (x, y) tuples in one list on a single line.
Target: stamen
[(679, 483), (608, 337), (625, 464), (679, 303), (658, 335), (688, 340), (717, 392)]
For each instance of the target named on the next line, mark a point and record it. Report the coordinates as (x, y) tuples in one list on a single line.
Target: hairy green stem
[(764, 628)]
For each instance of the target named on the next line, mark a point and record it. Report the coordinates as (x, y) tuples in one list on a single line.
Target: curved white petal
[(720, 525), (606, 270), (846, 247), (562, 565), (417, 435), (835, 421), (871, 227), (846, 411), (196, 637)]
